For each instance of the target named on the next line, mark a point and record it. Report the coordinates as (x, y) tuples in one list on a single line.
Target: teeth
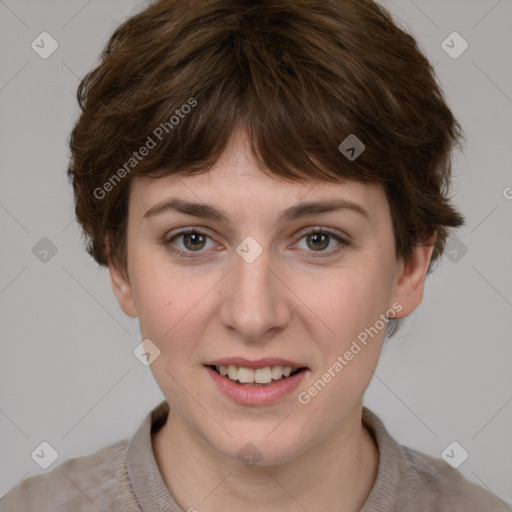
[(245, 375), (277, 372), (232, 372), (259, 376), (263, 375)]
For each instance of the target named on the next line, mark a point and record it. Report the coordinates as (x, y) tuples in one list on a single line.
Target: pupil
[(314, 237), (195, 238)]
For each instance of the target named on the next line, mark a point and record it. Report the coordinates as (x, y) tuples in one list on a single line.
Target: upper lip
[(255, 363)]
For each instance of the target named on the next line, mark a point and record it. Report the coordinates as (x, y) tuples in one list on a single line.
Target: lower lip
[(248, 394)]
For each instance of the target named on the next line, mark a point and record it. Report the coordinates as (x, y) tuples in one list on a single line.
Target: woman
[(267, 183)]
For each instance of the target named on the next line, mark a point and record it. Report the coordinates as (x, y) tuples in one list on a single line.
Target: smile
[(261, 376), (261, 382)]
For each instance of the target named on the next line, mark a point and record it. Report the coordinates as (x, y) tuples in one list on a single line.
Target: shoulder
[(94, 482), (431, 482), (411, 481)]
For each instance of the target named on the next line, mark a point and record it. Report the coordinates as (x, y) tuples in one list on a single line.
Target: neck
[(337, 474)]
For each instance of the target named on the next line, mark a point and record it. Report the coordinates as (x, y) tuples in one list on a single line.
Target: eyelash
[(343, 243)]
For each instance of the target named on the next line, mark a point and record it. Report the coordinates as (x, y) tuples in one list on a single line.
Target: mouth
[(256, 377), (256, 382)]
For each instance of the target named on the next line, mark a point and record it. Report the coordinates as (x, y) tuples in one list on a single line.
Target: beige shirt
[(125, 477)]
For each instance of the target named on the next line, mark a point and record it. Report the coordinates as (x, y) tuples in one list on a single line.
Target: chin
[(259, 449)]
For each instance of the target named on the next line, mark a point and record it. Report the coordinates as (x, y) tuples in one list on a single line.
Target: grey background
[(68, 374)]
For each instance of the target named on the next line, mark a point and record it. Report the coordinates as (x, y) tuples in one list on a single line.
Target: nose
[(256, 299)]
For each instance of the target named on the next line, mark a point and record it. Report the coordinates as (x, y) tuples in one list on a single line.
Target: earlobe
[(411, 277), (122, 289)]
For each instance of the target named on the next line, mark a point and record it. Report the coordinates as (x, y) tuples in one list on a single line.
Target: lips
[(253, 393)]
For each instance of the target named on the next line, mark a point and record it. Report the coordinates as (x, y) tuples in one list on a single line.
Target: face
[(260, 288)]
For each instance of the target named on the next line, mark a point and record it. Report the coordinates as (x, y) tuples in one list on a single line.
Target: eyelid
[(323, 229)]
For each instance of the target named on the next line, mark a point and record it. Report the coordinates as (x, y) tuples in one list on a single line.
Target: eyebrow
[(207, 211)]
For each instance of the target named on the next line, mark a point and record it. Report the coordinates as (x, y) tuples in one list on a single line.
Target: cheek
[(171, 305), (172, 314), (348, 306), (349, 310), (346, 302)]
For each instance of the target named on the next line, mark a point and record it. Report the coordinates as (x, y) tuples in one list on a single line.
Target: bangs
[(308, 82)]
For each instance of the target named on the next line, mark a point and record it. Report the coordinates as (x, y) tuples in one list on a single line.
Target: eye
[(194, 241), (317, 240)]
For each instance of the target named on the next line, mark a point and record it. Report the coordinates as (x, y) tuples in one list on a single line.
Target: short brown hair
[(299, 76)]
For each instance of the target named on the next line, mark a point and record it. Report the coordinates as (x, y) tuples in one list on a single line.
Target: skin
[(286, 303)]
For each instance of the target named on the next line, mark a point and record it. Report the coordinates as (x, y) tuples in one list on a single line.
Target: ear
[(411, 276), (122, 289)]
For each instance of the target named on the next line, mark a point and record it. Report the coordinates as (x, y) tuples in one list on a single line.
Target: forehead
[(236, 183)]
